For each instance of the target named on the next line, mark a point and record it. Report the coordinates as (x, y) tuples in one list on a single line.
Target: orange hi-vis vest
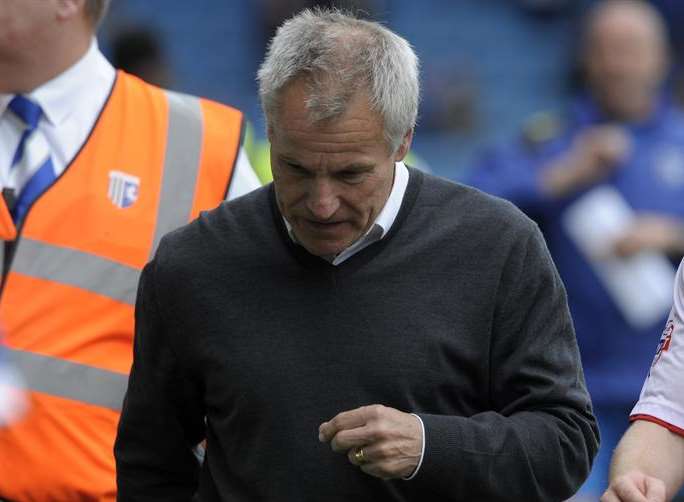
[(153, 160)]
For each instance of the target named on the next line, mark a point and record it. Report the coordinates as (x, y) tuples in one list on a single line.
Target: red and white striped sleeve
[(662, 397)]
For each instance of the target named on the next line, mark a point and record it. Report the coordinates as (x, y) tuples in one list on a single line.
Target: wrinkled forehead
[(334, 141), (354, 137)]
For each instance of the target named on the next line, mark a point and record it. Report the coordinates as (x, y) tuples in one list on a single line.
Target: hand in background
[(650, 232), (595, 153)]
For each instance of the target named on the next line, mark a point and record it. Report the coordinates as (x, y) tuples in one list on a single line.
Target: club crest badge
[(123, 189)]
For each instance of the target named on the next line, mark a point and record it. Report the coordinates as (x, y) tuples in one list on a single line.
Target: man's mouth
[(323, 225)]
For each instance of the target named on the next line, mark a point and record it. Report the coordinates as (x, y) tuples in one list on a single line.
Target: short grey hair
[(96, 9), (339, 55)]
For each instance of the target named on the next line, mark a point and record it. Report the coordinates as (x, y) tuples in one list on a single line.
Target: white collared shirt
[(71, 103)]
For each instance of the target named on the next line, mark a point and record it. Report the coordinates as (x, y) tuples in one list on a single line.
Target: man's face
[(22, 25), (625, 59), (331, 178)]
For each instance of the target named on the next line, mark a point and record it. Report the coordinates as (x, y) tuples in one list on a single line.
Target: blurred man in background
[(606, 184), (95, 167)]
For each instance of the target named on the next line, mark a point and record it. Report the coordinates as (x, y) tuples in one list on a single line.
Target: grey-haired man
[(416, 327)]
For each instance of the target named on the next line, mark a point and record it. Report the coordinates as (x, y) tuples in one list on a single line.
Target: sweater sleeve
[(162, 417), (538, 440)]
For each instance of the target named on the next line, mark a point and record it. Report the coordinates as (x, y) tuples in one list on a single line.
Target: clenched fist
[(383, 442)]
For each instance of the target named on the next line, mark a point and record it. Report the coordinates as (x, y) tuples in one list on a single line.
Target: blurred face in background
[(625, 59), (332, 178)]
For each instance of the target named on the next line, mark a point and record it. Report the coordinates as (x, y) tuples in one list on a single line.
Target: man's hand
[(595, 153), (652, 233), (602, 147), (635, 486), (391, 440)]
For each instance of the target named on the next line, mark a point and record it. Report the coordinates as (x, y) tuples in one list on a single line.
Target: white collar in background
[(58, 96)]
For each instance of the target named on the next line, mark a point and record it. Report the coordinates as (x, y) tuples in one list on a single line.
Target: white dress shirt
[(376, 232), (71, 103)]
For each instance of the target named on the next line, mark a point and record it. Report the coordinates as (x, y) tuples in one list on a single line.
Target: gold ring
[(360, 456)]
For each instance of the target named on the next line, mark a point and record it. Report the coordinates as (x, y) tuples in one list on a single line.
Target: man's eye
[(296, 169), (351, 176)]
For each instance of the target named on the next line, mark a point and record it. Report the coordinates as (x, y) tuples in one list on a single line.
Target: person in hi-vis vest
[(95, 166)]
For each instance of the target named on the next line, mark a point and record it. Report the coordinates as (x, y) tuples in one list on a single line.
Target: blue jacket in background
[(616, 356)]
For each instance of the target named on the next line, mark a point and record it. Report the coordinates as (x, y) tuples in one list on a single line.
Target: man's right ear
[(66, 9)]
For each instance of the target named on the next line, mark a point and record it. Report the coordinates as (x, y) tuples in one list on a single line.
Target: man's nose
[(322, 201)]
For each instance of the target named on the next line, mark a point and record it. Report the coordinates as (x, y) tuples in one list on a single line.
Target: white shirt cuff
[(422, 450)]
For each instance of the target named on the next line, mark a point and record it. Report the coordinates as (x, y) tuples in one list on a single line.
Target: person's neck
[(25, 75)]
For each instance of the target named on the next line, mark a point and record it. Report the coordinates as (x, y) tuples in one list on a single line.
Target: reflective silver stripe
[(66, 379), (181, 164), (76, 268)]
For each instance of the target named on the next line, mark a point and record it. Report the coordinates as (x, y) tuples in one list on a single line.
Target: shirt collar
[(58, 96), (390, 210)]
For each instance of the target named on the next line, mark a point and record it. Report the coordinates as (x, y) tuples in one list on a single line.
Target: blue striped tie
[(31, 171)]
